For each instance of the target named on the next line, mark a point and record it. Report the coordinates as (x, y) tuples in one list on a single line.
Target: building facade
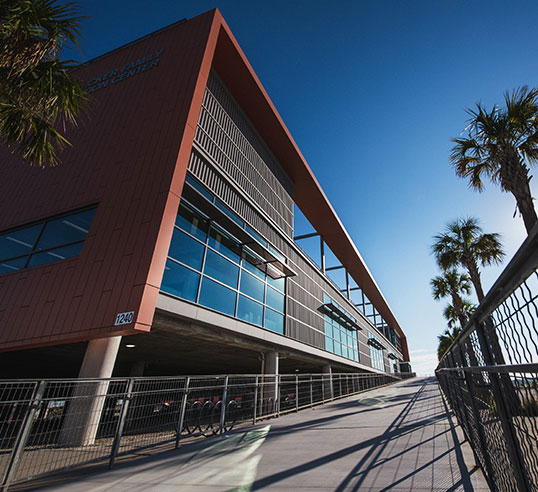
[(164, 243)]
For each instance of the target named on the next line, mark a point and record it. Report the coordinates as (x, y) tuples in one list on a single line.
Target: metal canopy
[(269, 262), (339, 315)]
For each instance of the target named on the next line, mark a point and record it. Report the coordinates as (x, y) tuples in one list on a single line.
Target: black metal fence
[(51, 425), (490, 376)]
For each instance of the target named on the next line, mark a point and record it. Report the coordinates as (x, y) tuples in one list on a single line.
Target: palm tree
[(452, 316), (500, 145), (446, 339), (38, 95), (452, 284), (464, 244)]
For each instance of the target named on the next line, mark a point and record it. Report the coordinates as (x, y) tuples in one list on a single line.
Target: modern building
[(164, 242)]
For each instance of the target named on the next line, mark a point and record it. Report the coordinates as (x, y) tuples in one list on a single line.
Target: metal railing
[(489, 376), (51, 425)]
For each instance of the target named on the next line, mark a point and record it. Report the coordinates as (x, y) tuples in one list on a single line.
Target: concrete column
[(328, 381), (270, 379), (84, 410)]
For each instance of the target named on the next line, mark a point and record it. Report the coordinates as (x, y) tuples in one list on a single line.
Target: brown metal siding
[(125, 158)]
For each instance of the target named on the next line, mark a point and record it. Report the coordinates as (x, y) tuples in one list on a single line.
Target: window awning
[(269, 262), (390, 355), (339, 315), (374, 342)]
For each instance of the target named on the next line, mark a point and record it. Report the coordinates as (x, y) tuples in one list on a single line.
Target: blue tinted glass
[(223, 208), (337, 348), (12, 265), (336, 334), (328, 329), (55, 254), (277, 283), (329, 344), (180, 281), (19, 242), (221, 269), (274, 321), (186, 249), (192, 222), (251, 286), (326, 299), (224, 244), (189, 179), (255, 235), (275, 299), (250, 311), (217, 297), (66, 230), (277, 253), (249, 261)]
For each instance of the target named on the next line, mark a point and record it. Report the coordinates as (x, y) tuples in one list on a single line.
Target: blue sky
[(372, 92)]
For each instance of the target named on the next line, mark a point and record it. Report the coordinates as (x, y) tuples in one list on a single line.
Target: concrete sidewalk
[(394, 438)]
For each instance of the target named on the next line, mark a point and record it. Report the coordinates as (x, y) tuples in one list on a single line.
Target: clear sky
[(372, 92)]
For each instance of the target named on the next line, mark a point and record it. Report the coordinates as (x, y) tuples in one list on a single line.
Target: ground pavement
[(395, 438)]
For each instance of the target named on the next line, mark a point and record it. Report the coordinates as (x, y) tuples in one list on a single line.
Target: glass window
[(180, 281), (275, 299), (66, 229), (249, 310), (274, 321), (192, 222), (249, 261), (221, 269), (55, 254), (217, 297), (12, 265), (255, 235), (277, 283), (329, 344), (223, 208), (186, 250), (251, 286), (189, 179), (224, 244), (337, 348), (19, 242)]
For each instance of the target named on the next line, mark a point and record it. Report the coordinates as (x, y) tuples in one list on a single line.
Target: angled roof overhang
[(233, 67)]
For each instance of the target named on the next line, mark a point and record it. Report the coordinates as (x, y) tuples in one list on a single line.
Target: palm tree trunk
[(514, 177), (526, 206), (474, 273), (457, 303)]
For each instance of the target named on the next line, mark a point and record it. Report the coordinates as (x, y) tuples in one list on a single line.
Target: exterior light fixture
[(130, 345)]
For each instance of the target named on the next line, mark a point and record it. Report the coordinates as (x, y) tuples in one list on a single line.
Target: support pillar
[(328, 381), (270, 379), (85, 408)]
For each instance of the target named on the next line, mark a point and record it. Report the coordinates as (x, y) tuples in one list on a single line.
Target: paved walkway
[(397, 438)]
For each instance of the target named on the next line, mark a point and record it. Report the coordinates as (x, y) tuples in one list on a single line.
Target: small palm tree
[(446, 340), (452, 316), (38, 95), (452, 284), (500, 145), (464, 244)]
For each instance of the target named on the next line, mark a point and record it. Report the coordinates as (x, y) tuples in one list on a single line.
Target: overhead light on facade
[(130, 345)]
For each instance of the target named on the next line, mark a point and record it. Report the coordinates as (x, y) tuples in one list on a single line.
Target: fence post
[(24, 434), (278, 381), (516, 457), (182, 411), (476, 416), (296, 392), (311, 392), (121, 423), (323, 388), (255, 401), (224, 403)]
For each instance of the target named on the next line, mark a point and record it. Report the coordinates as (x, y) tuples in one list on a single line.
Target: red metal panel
[(125, 155)]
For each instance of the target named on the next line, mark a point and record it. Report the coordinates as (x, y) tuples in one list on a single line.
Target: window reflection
[(226, 270)]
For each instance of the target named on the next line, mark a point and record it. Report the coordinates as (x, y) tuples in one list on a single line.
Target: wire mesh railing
[(52, 425), (489, 376)]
